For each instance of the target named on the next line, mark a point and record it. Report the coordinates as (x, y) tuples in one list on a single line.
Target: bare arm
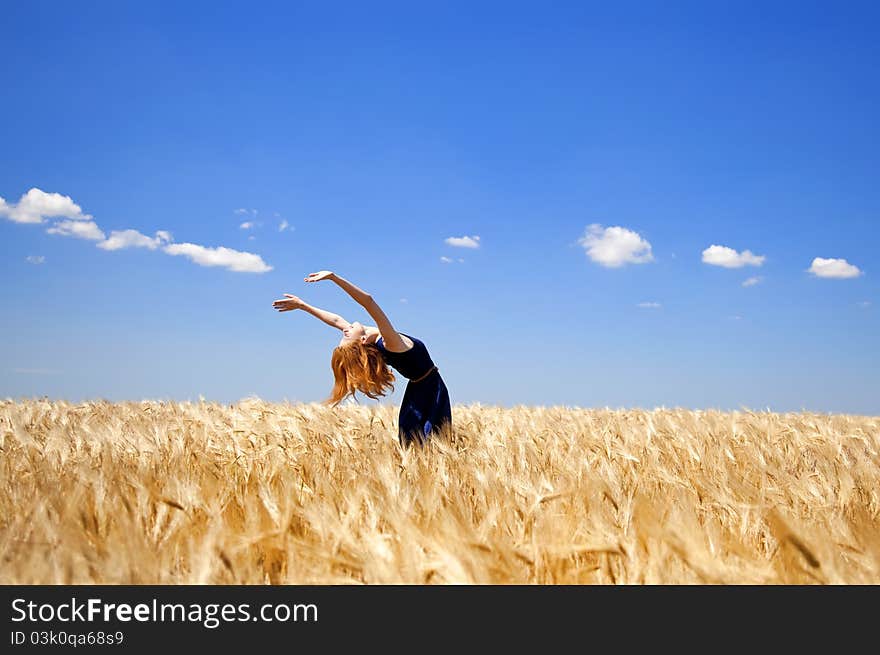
[(390, 336), (291, 302)]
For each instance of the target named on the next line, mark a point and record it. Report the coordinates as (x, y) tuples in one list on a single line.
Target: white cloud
[(460, 260), (464, 242), (833, 268), (79, 229), (865, 304), (233, 260), (736, 317), (247, 225), (283, 226), (404, 300), (251, 237), (752, 281), (616, 246), (730, 258), (120, 239), (649, 305), (446, 260), (36, 206)]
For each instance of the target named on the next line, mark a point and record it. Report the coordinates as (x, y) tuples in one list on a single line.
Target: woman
[(360, 363)]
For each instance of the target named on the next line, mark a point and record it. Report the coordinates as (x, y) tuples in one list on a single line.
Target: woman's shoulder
[(408, 341)]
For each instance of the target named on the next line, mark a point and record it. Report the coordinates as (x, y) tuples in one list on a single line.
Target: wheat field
[(254, 493)]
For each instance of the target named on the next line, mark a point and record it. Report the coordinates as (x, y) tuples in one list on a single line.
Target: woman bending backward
[(361, 363)]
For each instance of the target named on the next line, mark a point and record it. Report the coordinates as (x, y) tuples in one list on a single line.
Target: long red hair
[(359, 367)]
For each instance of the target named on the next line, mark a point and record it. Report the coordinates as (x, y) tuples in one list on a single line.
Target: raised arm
[(290, 302), (390, 336)]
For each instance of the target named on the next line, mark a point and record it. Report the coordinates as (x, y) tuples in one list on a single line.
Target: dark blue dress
[(425, 406)]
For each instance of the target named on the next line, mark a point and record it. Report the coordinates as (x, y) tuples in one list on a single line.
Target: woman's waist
[(425, 375)]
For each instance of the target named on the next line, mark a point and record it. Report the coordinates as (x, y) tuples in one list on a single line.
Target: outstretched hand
[(288, 303), (320, 275)]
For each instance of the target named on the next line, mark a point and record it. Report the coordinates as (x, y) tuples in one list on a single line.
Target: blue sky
[(378, 132)]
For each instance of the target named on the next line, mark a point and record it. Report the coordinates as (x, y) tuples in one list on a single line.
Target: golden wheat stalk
[(160, 492)]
